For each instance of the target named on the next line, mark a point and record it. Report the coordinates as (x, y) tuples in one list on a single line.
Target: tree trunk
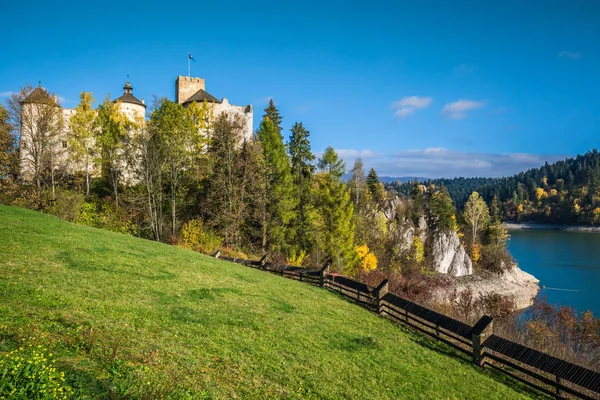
[(87, 181)]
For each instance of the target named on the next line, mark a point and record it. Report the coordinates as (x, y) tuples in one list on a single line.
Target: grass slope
[(123, 314)]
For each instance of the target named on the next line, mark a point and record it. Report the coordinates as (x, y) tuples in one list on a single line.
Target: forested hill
[(566, 192)]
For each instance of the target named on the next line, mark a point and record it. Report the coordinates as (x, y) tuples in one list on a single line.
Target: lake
[(566, 262)]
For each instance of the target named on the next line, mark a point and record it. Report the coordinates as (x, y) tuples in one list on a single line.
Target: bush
[(104, 215), (28, 373), (195, 237), (67, 205)]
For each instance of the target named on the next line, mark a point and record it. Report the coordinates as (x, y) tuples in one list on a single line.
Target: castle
[(187, 91)]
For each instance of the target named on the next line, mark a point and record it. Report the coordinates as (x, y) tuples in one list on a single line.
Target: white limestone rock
[(449, 256)]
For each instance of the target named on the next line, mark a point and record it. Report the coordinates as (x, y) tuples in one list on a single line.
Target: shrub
[(67, 205), (367, 260), (195, 237), (28, 373), (297, 259)]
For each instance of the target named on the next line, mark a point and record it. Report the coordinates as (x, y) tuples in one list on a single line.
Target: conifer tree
[(302, 169), (279, 207), (273, 114), (335, 209), (442, 209), (372, 181)]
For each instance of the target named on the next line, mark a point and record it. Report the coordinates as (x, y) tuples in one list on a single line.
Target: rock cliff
[(512, 282), (449, 256)]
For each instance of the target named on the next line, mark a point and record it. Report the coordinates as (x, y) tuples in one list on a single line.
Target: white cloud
[(408, 105), (8, 93), (569, 54), (459, 108), (437, 162)]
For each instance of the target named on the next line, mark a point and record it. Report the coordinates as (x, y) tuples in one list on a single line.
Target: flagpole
[(189, 75)]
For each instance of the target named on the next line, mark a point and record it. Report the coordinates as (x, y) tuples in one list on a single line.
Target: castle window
[(64, 144)]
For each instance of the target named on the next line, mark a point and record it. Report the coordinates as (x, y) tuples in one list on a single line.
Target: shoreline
[(549, 227)]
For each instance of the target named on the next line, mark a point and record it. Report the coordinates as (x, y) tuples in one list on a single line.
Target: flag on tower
[(191, 58)]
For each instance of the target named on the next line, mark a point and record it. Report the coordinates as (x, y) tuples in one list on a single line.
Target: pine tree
[(373, 181), (279, 207), (272, 113), (335, 209), (302, 169), (442, 209)]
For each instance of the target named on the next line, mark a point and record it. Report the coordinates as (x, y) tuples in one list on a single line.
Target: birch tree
[(476, 215), (37, 116), (81, 136)]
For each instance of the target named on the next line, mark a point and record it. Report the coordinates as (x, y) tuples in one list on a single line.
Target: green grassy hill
[(125, 315)]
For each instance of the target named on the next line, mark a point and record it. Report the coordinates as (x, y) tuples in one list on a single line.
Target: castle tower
[(129, 104), (186, 87)]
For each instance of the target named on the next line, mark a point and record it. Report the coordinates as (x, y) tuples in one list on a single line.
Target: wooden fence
[(548, 374)]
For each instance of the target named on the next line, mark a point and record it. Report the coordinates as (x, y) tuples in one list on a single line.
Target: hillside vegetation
[(565, 192), (131, 318)]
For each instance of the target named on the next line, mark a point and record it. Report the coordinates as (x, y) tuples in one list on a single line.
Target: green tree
[(476, 215), (254, 184), (37, 115), (375, 186), (8, 154), (81, 136), (442, 209), (175, 127), (224, 207), (302, 170), (359, 189), (335, 209), (273, 114), (112, 135), (280, 203)]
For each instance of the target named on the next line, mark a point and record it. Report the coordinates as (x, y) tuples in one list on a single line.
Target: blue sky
[(430, 88)]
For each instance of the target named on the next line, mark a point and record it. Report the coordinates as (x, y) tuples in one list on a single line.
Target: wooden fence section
[(356, 291), (450, 331), (564, 377), (548, 374)]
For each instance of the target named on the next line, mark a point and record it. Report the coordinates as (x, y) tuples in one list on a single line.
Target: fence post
[(262, 262), (218, 253), (323, 274), (480, 332), (381, 291)]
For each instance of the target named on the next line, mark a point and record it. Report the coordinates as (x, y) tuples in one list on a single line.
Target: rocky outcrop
[(449, 256), (512, 282)]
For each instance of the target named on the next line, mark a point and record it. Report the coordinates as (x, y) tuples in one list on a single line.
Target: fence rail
[(548, 374)]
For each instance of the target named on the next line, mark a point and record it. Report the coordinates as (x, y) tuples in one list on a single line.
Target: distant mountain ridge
[(392, 179), (565, 192)]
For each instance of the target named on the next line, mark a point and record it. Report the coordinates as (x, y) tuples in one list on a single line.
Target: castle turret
[(129, 104)]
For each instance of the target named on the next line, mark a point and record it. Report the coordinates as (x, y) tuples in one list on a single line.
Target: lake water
[(566, 262)]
